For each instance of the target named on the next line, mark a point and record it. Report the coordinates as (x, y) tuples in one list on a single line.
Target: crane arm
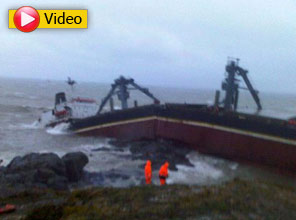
[(105, 100), (253, 92), (145, 91)]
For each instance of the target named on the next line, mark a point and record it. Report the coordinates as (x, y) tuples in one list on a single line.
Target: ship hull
[(235, 137)]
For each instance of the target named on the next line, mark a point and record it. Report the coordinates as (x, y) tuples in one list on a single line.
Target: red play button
[(26, 19)]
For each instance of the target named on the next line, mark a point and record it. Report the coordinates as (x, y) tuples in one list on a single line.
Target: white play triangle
[(26, 19)]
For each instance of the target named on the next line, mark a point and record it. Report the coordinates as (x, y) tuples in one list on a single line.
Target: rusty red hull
[(127, 131), (231, 145), (223, 140)]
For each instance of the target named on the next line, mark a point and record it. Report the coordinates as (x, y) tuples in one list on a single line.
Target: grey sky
[(160, 42)]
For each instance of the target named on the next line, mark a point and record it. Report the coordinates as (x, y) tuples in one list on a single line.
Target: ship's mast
[(120, 87), (71, 83), (231, 86)]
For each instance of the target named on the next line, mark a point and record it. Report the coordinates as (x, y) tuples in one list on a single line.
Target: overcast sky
[(179, 43)]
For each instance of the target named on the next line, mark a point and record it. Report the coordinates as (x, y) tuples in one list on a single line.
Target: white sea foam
[(233, 166), (87, 148), (59, 153), (59, 129), (34, 125), (202, 172)]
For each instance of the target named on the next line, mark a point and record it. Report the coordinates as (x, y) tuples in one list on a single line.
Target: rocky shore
[(49, 171), (46, 186)]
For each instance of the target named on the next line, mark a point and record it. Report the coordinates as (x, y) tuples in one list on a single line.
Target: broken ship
[(216, 130)]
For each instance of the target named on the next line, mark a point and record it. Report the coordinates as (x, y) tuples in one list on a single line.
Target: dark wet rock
[(43, 171), (159, 152), (101, 149), (106, 149), (119, 143), (37, 161), (74, 163)]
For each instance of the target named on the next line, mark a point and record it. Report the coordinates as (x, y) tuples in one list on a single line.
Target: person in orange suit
[(148, 172), (163, 173)]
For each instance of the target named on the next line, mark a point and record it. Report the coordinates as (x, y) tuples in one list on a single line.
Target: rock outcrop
[(46, 170), (158, 152), (74, 163)]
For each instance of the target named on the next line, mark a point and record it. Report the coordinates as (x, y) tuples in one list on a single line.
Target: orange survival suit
[(148, 172), (163, 173)]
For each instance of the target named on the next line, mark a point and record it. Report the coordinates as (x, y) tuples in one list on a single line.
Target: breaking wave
[(203, 172), (60, 129), (88, 148), (34, 125)]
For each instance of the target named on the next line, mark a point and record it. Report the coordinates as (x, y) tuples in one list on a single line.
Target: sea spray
[(60, 129)]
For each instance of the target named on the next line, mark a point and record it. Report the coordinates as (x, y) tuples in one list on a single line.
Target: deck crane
[(120, 87), (231, 86)]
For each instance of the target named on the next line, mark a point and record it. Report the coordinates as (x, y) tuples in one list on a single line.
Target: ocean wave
[(101, 148), (34, 125), (19, 95), (88, 148), (20, 108), (60, 129), (30, 108)]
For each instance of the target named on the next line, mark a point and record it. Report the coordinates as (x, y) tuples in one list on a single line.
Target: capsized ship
[(217, 130)]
